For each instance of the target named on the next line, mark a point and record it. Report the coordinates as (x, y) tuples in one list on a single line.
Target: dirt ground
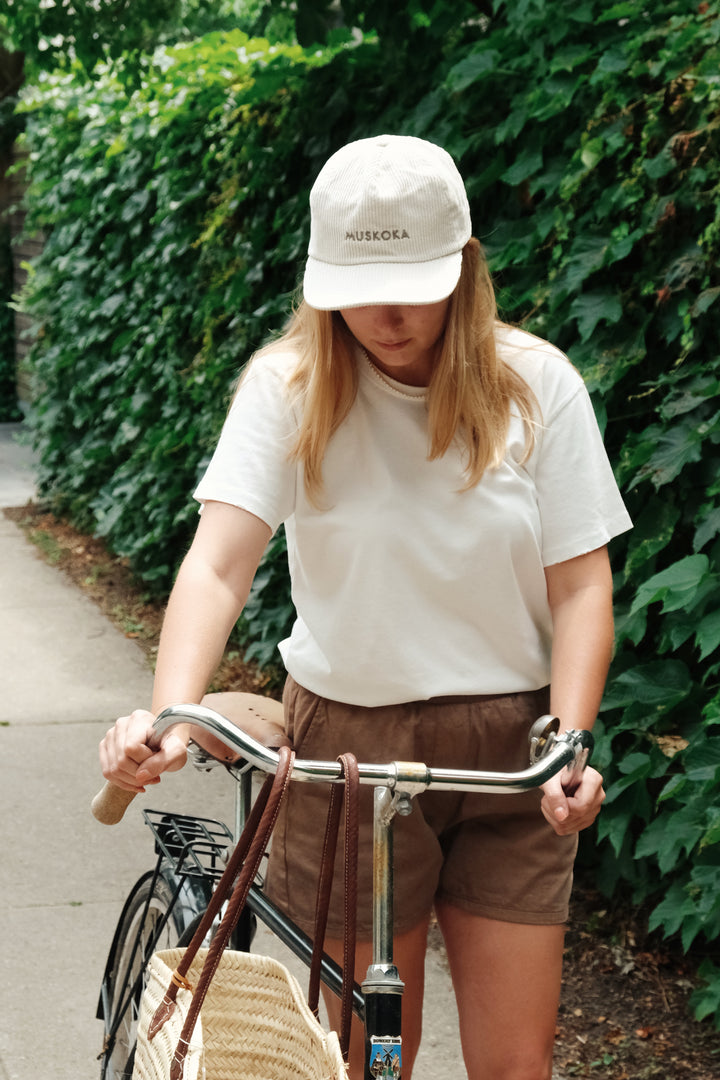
[(624, 1013)]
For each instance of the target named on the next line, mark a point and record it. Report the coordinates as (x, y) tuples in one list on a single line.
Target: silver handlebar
[(568, 750)]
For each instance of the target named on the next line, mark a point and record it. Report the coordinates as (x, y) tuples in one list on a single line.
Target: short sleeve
[(251, 466), (580, 505)]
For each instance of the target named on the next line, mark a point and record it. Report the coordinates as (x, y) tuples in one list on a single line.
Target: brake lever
[(544, 735), (572, 773)]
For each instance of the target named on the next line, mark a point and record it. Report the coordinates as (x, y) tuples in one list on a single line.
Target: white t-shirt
[(405, 586)]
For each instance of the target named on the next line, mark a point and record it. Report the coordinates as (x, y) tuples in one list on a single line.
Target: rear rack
[(194, 846)]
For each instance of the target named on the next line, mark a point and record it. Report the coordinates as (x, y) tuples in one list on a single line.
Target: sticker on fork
[(386, 1057)]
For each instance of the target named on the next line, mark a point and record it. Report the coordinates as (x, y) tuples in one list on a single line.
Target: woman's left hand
[(571, 813)]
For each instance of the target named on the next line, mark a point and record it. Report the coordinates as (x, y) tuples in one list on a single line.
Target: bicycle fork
[(382, 986)]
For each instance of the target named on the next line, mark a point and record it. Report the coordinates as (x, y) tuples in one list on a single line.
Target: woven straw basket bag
[(255, 1024), (216, 1014)]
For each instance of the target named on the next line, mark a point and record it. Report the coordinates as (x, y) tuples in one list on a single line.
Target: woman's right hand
[(127, 758)]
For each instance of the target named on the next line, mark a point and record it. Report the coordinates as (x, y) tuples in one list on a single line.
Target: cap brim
[(328, 287)]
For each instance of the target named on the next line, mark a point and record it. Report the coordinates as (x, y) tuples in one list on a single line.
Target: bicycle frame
[(191, 853), (396, 784)]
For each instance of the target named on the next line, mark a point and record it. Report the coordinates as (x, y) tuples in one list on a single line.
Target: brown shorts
[(493, 855)]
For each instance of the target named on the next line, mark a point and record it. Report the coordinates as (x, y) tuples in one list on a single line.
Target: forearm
[(580, 598), (582, 643), (582, 649), (200, 615), (209, 595)]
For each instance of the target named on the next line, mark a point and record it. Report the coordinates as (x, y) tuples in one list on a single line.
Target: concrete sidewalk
[(67, 674)]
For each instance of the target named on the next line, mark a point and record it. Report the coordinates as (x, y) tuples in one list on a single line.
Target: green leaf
[(613, 828), (707, 636), (626, 804), (611, 62), (109, 307), (587, 255), (594, 307), (636, 768), (568, 57), (711, 835), (671, 911), (654, 529), (670, 837), (673, 449), (660, 165), (702, 761), (659, 685), (673, 787), (473, 68), (509, 127), (674, 586), (526, 165), (705, 1000), (677, 628), (708, 527), (705, 300), (592, 153), (135, 205)]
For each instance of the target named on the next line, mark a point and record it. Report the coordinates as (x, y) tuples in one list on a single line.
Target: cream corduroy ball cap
[(389, 217)]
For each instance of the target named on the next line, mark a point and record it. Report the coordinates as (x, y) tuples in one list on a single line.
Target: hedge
[(9, 409), (588, 135)]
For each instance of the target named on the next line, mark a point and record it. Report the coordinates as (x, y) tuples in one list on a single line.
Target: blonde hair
[(471, 393)]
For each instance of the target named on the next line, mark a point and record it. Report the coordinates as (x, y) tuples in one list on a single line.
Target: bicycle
[(165, 905)]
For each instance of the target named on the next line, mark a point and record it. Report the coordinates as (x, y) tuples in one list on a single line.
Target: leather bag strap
[(352, 821), (256, 833), (346, 794), (250, 867), (258, 819), (237, 880)]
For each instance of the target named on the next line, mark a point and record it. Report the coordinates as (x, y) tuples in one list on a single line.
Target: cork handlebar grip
[(110, 804)]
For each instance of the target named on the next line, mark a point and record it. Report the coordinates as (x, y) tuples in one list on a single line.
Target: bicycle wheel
[(149, 922)]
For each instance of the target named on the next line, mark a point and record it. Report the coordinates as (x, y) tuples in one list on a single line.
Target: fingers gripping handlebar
[(259, 718)]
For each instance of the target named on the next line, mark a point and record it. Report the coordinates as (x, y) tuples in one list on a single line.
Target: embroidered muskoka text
[(378, 234)]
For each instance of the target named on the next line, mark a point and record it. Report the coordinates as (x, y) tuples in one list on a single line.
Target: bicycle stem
[(382, 986)]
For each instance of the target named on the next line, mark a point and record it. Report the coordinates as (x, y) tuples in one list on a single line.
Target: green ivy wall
[(588, 134)]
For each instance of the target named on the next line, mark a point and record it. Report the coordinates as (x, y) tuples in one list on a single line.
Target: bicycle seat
[(261, 717)]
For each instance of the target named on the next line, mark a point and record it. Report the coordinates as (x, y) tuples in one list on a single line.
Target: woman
[(448, 502)]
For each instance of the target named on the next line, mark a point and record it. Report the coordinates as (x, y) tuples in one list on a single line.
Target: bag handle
[(246, 859), (347, 793), (247, 875), (240, 871)]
